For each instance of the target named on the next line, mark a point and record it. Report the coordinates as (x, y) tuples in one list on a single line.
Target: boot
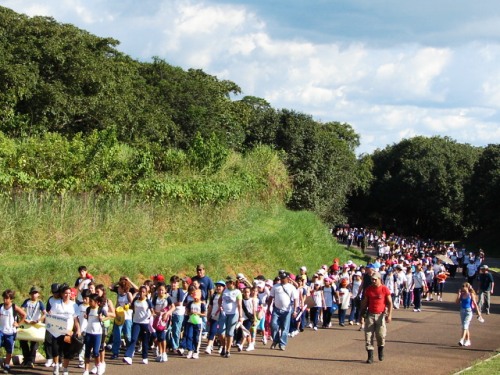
[(380, 353), (370, 356)]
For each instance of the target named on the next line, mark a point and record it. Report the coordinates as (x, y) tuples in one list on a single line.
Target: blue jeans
[(280, 324), (315, 315), (139, 331), (92, 345), (126, 330), (177, 322), (193, 336)]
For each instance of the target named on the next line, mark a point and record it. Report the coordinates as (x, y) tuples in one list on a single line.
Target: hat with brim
[(34, 289)]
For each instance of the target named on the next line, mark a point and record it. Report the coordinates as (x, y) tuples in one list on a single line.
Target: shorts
[(7, 342)]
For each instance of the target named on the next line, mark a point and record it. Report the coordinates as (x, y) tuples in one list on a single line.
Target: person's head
[(246, 293), (219, 286), (65, 292), (317, 285), (174, 282), (8, 295), (149, 285), (143, 292), (91, 287), (230, 283), (303, 270), (161, 289), (196, 294), (467, 288), (195, 283), (186, 282), (200, 270), (93, 300), (284, 277), (484, 268), (82, 270), (376, 279), (100, 290), (34, 293)]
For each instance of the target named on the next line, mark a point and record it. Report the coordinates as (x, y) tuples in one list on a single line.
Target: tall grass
[(45, 240)]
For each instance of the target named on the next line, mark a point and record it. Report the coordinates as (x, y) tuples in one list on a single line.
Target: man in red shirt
[(377, 305)]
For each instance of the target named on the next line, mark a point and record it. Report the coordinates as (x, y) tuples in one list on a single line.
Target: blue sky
[(392, 69)]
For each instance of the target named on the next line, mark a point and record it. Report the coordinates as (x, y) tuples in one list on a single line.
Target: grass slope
[(46, 242)]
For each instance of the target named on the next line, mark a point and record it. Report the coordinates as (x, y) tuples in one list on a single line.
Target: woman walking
[(467, 299)]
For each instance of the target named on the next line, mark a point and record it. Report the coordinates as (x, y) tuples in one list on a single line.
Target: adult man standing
[(285, 298), (207, 290), (486, 285), (377, 304)]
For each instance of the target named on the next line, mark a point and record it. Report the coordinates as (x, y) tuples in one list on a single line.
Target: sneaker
[(101, 368), (227, 355), (158, 358), (240, 347), (81, 364), (282, 347), (250, 347), (190, 354), (6, 369), (357, 323), (145, 361), (315, 328), (467, 343), (85, 372), (273, 345), (208, 350), (196, 355), (351, 322), (109, 347), (165, 357), (329, 325), (94, 370), (342, 324), (309, 325), (49, 363), (415, 310), (127, 360), (65, 371), (264, 340), (180, 351), (461, 342)]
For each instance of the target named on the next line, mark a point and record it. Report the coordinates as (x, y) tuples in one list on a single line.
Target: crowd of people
[(174, 316)]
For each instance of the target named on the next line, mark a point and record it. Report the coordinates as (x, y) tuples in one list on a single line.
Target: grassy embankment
[(45, 242)]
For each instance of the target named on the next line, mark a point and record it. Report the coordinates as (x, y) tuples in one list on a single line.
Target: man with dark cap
[(377, 305), (486, 285)]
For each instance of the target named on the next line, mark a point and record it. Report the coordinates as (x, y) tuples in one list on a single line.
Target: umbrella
[(444, 258)]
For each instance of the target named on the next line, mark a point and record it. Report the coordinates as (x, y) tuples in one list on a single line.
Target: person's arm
[(240, 308), (388, 304), (21, 314), (111, 309), (364, 305), (492, 286)]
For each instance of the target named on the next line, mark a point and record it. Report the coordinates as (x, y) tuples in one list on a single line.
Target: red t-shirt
[(377, 297)]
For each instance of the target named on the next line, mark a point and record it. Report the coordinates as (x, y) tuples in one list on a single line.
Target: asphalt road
[(426, 342)]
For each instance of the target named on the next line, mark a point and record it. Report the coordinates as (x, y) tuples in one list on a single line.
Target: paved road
[(426, 341)]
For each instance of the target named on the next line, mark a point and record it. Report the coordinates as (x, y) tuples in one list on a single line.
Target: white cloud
[(387, 93)]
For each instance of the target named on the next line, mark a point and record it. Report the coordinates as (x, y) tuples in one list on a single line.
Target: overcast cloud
[(392, 69)]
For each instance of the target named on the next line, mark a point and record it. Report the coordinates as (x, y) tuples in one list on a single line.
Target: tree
[(482, 196), (418, 187)]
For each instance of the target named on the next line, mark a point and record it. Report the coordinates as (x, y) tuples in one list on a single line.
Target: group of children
[(175, 317)]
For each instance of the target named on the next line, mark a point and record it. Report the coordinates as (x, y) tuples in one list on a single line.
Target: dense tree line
[(58, 82), (434, 188)]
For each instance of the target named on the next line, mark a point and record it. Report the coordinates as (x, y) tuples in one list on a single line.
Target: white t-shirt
[(94, 325), (7, 320), (230, 299), (283, 295), (142, 311)]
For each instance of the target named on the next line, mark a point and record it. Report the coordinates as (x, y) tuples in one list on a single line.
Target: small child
[(344, 300), (213, 315), (35, 313), (196, 309), (82, 308), (8, 325), (94, 316), (163, 308), (82, 282)]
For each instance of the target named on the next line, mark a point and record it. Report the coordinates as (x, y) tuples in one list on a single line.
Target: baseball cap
[(370, 266), (34, 289), (376, 275), (221, 282), (284, 275)]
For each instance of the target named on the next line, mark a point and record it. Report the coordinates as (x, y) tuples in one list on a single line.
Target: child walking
[(8, 325)]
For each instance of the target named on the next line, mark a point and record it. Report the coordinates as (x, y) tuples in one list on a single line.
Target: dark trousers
[(29, 349)]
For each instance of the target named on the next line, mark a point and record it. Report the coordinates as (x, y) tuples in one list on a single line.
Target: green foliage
[(419, 187), (482, 196), (207, 156)]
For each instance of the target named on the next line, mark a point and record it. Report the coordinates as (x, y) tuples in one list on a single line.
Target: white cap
[(303, 268)]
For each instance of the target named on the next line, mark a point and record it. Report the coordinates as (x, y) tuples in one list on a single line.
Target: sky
[(391, 69)]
